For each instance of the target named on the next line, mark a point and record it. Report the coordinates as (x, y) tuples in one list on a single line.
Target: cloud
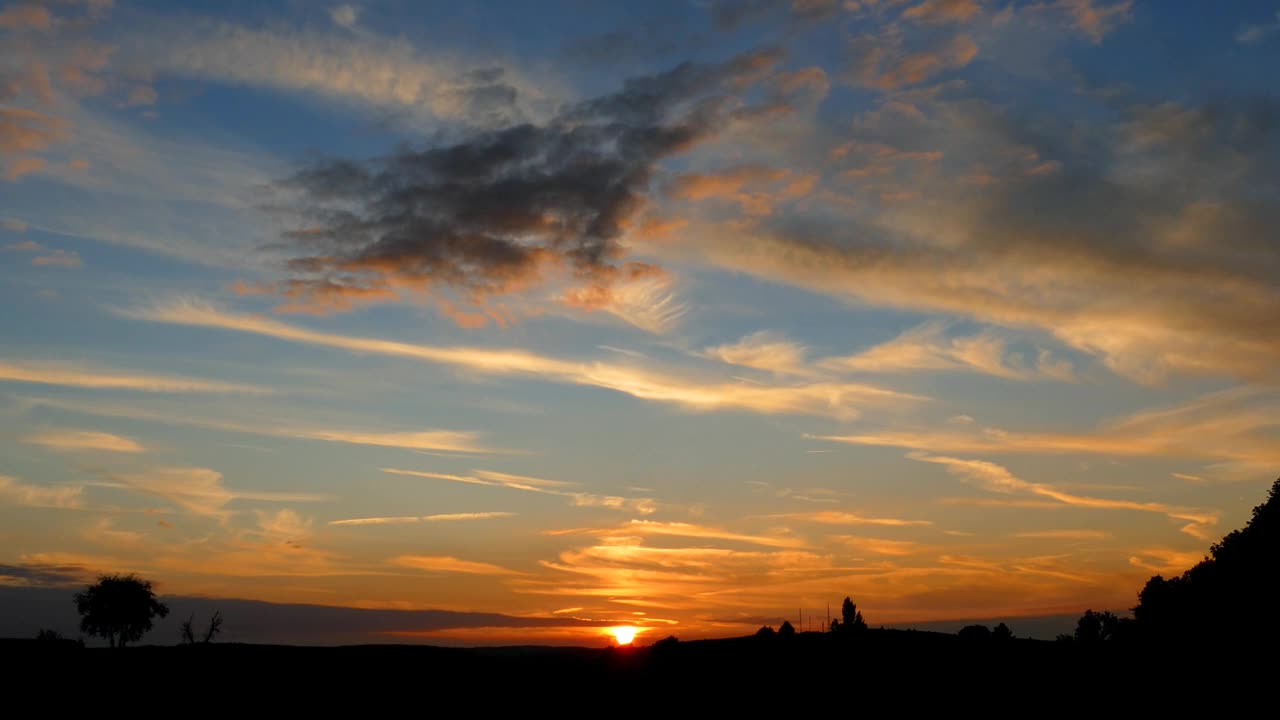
[(837, 399), (997, 478), (83, 440), (1063, 535), (942, 11), (23, 165), (835, 517), (492, 213), (1173, 286), (446, 564), (360, 67), (731, 14), (200, 491), (58, 258), (763, 351), (637, 528), (526, 483), (927, 347), (13, 225), (41, 575), (48, 372), (880, 546), (1255, 33), (1229, 426), (451, 441), (1094, 18), (25, 15), (401, 520), (880, 61), (345, 16), (16, 492)]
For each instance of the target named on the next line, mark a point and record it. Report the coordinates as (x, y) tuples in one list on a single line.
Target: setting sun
[(624, 634)]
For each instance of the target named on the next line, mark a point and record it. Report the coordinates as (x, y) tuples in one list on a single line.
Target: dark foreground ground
[(907, 669)]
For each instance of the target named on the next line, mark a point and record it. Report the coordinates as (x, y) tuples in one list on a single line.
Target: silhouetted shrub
[(1001, 633), (786, 630), (765, 631)]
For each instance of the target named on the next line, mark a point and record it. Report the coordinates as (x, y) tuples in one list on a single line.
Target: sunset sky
[(686, 314)]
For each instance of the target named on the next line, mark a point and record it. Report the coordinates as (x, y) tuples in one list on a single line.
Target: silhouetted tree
[(188, 630), (1096, 627), (1235, 585), (786, 630), (975, 633), (835, 625), (1001, 633), (765, 631), (46, 635), (851, 617), (118, 608)]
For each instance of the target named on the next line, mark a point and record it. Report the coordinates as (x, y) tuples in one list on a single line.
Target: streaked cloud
[(446, 564), (401, 520), (52, 372), (838, 399), (525, 483), (1063, 535), (1229, 426), (83, 440), (836, 517)]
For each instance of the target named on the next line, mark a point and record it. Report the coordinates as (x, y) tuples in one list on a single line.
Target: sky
[(692, 315)]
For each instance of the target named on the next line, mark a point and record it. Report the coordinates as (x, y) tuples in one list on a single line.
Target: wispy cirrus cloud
[(997, 478), (199, 490), (71, 440), (451, 441), (832, 398), (52, 372), (16, 492), (526, 483)]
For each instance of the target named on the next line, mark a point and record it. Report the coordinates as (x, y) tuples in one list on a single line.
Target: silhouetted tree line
[(1229, 597)]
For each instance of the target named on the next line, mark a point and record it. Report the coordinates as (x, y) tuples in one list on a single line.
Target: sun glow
[(624, 634)]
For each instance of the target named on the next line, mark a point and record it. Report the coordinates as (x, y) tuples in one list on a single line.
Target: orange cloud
[(36, 17), (83, 440), (56, 373), (942, 11), (446, 564)]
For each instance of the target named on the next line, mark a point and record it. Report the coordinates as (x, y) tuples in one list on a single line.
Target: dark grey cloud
[(485, 214), (42, 575)]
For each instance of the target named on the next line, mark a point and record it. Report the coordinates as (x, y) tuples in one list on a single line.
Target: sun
[(624, 634)]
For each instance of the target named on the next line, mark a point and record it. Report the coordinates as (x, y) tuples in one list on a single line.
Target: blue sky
[(681, 315)]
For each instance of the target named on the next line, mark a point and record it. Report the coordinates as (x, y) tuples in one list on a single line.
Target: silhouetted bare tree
[(118, 608)]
